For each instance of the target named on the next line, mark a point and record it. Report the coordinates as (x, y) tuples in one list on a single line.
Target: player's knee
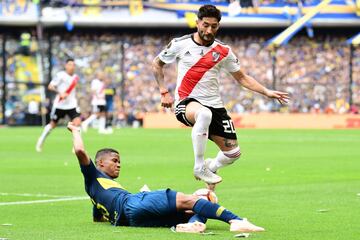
[(185, 201), (204, 114), (77, 121), (232, 155), (52, 125)]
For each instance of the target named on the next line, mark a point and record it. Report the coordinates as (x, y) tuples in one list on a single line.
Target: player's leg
[(223, 134), (195, 224), (77, 121), (109, 110), (201, 118), (102, 119), (85, 124), (228, 154), (55, 115), (153, 209), (207, 209), (74, 115), (203, 207)]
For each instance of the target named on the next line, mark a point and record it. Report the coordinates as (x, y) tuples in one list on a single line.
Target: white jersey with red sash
[(65, 83), (98, 93), (199, 68)]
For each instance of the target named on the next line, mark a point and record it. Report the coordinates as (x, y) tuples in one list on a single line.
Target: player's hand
[(167, 100), (63, 96), (282, 97), (72, 127)]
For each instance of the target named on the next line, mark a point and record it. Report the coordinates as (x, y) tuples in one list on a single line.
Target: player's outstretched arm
[(78, 145), (250, 83), (157, 67)]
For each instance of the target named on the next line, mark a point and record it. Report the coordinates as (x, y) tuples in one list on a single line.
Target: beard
[(209, 38)]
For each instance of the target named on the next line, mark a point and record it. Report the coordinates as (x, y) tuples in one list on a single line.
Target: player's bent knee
[(77, 121), (185, 201), (232, 155), (204, 114), (52, 124)]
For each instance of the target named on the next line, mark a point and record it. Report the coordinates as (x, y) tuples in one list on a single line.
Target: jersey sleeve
[(89, 172), (56, 80), (169, 54), (231, 62)]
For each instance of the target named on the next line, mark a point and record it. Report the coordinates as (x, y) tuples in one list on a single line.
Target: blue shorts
[(153, 209), (109, 107)]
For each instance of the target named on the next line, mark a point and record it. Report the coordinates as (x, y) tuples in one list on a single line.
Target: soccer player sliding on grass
[(163, 208)]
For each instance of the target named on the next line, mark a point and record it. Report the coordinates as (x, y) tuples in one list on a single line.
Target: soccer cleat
[(193, 227), (210, 186), (244, 226), (109, 130), (208, 164), (38, 147), (207, 176)]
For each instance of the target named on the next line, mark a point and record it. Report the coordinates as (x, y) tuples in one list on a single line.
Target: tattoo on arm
[(230, 143)]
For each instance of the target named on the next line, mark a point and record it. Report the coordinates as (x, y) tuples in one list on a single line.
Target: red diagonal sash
[(197, 71), (71, 87)]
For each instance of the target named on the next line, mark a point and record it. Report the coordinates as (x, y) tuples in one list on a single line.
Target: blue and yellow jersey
[(110, 91), (107, 195)]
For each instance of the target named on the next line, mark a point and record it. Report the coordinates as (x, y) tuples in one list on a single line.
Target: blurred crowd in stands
[(315, 72)]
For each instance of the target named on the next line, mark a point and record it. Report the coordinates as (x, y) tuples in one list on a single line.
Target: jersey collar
[(193, 39)]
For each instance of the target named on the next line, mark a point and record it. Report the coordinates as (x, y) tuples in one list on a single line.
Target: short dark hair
[(209, 11), (102, 152), (69, 60)]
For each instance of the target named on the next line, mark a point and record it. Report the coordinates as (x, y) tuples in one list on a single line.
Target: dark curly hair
[(209, 11)]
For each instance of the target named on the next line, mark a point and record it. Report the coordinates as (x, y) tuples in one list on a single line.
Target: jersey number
[(228, 126), (102, 208)]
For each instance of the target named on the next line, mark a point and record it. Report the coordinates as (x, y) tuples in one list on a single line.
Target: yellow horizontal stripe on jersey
[(109, 91), (108, 183)]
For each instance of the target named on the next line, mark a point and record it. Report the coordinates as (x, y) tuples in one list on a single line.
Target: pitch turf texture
[(297, 184)]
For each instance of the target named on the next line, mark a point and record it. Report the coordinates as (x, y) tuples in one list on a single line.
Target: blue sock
[(214, 211), (197, 218)]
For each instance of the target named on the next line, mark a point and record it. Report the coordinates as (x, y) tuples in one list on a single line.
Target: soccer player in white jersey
[(98, 103), (65, 102), (200, 57)]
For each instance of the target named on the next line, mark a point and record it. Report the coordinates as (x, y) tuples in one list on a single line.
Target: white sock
[(102, 123), (89, 120), (224, 159), (200, 134), (44, 134)]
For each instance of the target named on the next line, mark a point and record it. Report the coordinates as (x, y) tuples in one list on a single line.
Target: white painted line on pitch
[(33, 195), (43, 201)]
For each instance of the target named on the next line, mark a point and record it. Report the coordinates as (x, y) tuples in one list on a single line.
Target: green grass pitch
[(298, 184)]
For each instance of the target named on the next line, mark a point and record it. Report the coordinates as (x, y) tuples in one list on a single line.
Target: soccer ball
[(206, 194)]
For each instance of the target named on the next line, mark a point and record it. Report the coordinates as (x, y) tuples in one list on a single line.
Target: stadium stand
[(314, 70)]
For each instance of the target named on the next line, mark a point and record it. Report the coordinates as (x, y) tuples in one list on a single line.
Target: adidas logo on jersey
[(187, 53)]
